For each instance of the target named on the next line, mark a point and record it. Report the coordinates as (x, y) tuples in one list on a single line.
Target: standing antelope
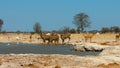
[(88, 36), (117, 37), (65, 36), (45, 38), (54, 38), (50, 38)]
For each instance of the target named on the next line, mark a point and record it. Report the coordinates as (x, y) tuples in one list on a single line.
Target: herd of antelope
[(54, 37)]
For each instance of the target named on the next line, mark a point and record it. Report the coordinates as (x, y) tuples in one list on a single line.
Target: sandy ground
[(53, 61)]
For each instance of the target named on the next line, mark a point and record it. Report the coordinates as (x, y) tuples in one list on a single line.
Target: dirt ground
[(111, 65), (50, 61)]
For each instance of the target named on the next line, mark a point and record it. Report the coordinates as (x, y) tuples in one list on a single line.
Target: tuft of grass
[(104, 43), (57, 66)]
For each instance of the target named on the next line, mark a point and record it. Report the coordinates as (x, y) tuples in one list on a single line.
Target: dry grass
[(111, 65), (104, 43), (57, 66), (104, 39)]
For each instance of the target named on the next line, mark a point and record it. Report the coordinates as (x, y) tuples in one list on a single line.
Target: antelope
[(88, 36), (65, 36), (55, 38), (45, 38), (117, 37), (50, 38)]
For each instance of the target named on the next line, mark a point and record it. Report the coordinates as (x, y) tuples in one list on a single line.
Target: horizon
[(55, 15)]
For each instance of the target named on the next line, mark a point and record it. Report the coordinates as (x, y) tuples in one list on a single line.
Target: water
[(14, 48)]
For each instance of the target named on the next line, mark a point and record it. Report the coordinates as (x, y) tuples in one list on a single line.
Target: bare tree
[(66, 29), (37, 27), (1, 23), (81, 20)]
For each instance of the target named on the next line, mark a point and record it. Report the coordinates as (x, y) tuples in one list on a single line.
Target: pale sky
[(55, 14)]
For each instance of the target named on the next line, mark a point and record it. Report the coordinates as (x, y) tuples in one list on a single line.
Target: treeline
[(37, 28), (112, 29)]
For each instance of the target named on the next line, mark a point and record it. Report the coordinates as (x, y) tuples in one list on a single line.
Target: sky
[(57, 14)]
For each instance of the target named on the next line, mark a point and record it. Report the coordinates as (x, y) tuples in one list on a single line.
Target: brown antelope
[(31, 34), (54, 38), (65, 36), (50, 38), (45, 38), (117, 37), (88, 36)]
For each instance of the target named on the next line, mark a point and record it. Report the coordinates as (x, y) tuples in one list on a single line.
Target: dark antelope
[(54, 38), (65, 36)]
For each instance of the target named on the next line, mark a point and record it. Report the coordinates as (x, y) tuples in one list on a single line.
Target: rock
[(80, 48), (93, 47), (112, 50), (88, 47)]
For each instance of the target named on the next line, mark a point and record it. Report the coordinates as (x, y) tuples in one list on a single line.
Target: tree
[(105, 30), (81, 21), (1, 23), (37, 27), (66, 29), (72, 30), (18, 31), (115, 29)]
